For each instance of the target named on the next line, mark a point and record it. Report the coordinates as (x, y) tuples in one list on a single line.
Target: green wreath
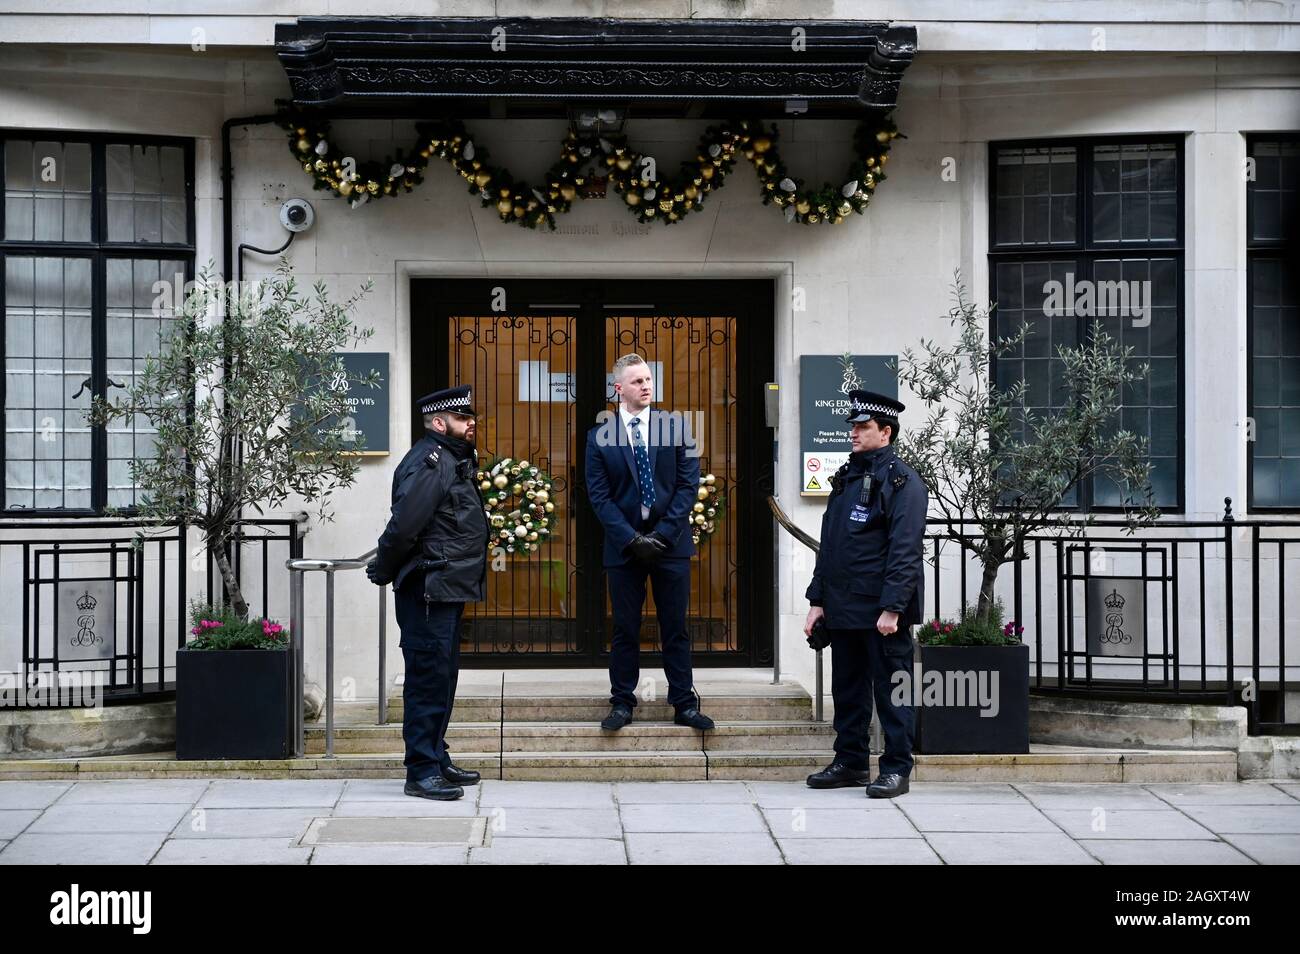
[(517, 497), (572, 176)]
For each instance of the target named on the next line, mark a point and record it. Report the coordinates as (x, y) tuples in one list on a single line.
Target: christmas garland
[(577, 172), (708, 509), (517, 498)]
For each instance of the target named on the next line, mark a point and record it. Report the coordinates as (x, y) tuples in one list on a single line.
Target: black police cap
[(458, 400), (868, 405)]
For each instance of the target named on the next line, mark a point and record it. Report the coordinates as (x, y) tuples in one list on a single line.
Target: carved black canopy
[(414, 66)]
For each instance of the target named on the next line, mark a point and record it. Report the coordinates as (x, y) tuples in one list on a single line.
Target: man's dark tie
[(643, 475)]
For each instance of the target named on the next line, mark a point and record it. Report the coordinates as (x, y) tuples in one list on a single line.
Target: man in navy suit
[(643, 481)]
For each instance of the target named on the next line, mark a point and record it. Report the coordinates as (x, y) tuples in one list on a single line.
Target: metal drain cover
[(396, 831)]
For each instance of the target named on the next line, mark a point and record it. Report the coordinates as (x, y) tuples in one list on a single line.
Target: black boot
[(839, 775), (888, 786)]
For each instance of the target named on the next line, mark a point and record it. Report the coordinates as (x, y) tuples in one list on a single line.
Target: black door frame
[(752, 301)]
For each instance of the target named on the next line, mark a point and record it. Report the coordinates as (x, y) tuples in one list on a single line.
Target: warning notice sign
[(825, 382)]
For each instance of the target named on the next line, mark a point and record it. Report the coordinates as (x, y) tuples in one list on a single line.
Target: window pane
[(1274, 192), (47, 362), (1135, 192), (47, 191), (146, 194), (1036, 196), (1274, 383)]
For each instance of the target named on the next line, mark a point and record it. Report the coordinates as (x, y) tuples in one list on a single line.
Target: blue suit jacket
[(615, 494)]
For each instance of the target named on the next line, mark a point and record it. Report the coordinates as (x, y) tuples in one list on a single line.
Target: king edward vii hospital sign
[(825, 381)]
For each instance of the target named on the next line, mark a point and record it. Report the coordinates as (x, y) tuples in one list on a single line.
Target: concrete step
[(586, 737), (1044, 763)]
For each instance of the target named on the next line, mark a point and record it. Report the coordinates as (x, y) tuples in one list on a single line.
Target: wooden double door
[(538, 355)]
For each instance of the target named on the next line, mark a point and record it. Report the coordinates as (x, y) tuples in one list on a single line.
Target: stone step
[(586, 737), (592, 708), (1043, 764)]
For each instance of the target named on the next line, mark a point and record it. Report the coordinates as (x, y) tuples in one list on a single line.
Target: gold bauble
[(304, 145), (519, 211), (542, 496), (882, 136), (372, 187), (699, 519), (345, 188), (762, 144), (871, 161), (698, 508), (710, 479), (707, 172), (532, 537), (504, 206), (838, 220), (485, 485), (516, 488), (884, 159), (844, 208), (803, 206), (482, 179), (623, 163), (567, 193), (550, 507), (499, 481), (673, 216), (633, 198), (320, 165), (702, 494), (690, 192)]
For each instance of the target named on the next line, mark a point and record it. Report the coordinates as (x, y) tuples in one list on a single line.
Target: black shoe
[(459, 776), (618, 717), (435, 787), (694, 718), (888, 786), (839, 775)]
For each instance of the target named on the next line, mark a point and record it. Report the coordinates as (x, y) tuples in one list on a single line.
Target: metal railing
[(156, 570), (1211, 581), (297, 574)]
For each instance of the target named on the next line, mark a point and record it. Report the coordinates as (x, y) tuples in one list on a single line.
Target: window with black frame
[(1082, 231), (96, 242), (1273, 298)]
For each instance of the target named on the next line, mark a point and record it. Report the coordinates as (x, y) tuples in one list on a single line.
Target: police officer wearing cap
[(867, 591), (434, 552)]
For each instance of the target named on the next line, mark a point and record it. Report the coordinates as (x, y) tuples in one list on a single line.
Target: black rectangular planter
[(233, 704), (950, 729)]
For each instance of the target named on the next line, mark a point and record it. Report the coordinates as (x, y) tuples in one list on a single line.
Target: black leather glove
[(819, 638), (656, 535), (377, 578), (647, 548)]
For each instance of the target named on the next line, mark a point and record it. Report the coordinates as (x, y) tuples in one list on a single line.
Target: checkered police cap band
[(870, 407), (450, 404)]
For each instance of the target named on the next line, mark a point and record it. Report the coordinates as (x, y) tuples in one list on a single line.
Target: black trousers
[(431, 647), (671, 579), (863, 663)]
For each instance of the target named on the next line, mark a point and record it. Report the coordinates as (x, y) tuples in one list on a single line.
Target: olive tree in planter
[(246, 394), (999, 471)]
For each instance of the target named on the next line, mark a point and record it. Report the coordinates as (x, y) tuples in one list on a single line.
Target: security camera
[(297, 215)]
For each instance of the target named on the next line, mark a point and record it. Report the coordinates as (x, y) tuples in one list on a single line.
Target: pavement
[(370, 821)]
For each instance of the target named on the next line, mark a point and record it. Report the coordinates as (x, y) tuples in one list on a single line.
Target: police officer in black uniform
[(434, 552), (867, 590)]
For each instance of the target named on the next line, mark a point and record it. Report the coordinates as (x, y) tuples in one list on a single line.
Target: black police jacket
[(438, 525), (872, 543)]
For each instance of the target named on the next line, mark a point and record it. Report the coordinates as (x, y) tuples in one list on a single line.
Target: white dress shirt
[(644, 417)]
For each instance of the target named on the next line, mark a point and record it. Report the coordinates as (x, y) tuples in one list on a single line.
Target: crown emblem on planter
[(87, 602)]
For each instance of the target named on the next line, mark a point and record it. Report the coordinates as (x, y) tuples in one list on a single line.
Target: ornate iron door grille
[(539, 353)]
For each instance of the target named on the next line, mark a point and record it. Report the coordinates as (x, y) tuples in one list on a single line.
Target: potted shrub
[(234, 688), (973, 695)]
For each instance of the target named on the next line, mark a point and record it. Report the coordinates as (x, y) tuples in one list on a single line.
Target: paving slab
[(247, 823), (511, 822), (1248, 819), (1004, 848), (31, 794), (858, 851), (796, 823), (550, 851), (61, 819), (110, 848), (231, 851), (1149, 825), (949, 816), (282, 793), (1163, 852), (707, 817), (693, 849), (1266, 849)]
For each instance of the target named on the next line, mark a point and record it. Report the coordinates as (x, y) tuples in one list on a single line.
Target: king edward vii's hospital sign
[(825, 381)]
